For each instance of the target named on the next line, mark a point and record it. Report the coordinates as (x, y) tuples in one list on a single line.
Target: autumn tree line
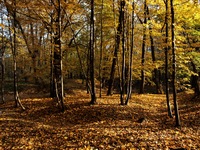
[(123, 45)]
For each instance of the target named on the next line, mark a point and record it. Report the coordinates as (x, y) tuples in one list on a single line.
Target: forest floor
[(106, 125)]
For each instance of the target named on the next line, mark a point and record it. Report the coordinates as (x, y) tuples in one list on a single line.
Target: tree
[(129, 90), (92, 55), (13, 38), (123, 75), (57, 55), (143, 49), (2, 62), (174, 64), (166, 58), (116, 49), (101, 50), (58, 30)]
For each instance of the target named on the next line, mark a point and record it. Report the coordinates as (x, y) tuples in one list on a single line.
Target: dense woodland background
[(119, 47)]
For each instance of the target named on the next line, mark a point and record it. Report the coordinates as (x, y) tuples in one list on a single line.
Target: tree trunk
[(117, 43), (166, 59), (129, 91), (92, 55), (101, 51), (174, 66), (143, 50), (57, 61), (52, 83), (88, 68), (14, 52), (123, 75), (2, 63)]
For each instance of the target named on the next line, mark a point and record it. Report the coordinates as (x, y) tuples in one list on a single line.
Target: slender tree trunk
[(52, 83), (143, 49), (88, 62), (127, 29), (101, 51), (88, 84), (2, 63), (123, 75), (57, 68), (117, 43), (14, 51), (92, 55), (166, 60), (129, 91), (174, 66)]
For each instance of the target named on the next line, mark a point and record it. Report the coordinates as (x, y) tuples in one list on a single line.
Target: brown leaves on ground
[(106, 125)]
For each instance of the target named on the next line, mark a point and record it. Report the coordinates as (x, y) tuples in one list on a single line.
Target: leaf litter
[(106, 125)]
